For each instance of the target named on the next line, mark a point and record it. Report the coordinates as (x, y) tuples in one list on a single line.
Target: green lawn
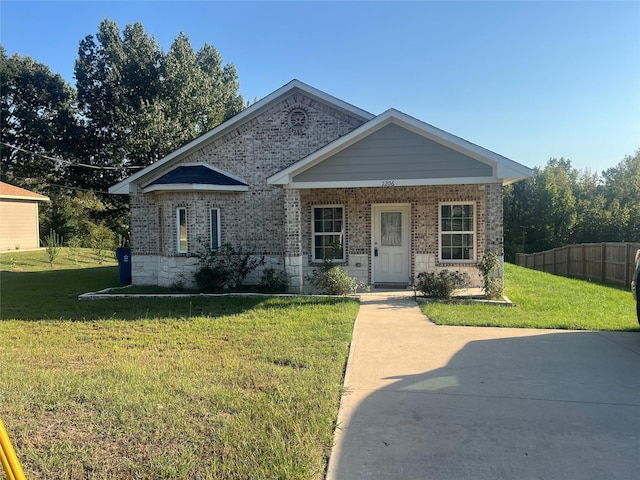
[(545, 301), (220, 388)]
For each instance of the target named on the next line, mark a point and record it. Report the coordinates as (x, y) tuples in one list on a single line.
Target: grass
[(545, 301), (224, 388)]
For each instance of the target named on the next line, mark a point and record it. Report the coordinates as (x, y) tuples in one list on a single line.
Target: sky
[(528, 80)]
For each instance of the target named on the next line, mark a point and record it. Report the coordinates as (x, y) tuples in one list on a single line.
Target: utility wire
[(68, 162), (28, 181)]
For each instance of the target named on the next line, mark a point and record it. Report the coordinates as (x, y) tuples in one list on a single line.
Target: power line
[(68, 162), (27, 181)]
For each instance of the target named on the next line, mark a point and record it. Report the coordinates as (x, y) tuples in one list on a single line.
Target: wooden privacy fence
[(605, 262)]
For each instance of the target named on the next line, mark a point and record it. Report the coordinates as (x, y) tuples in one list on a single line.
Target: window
[(457, 232), (181, 230), (215, 227), (328, 233)]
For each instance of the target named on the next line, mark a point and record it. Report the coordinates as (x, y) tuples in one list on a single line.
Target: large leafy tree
[(132, 105), (540, 212), (139, 103), (621, 184), (39, 119), (118, 82)]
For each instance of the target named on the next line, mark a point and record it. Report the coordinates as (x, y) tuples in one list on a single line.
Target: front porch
[(360, 239)]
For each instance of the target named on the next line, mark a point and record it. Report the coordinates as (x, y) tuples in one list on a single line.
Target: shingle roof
[(11, 191), (195, 174)]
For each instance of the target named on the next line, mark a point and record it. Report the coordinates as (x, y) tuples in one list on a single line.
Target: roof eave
[(194, 187), (26, 197), (409, 182)]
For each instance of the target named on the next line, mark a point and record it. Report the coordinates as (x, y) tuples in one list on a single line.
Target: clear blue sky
[(529, 80)]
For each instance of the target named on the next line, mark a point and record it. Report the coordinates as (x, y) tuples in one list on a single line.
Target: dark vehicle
[(635, 284)]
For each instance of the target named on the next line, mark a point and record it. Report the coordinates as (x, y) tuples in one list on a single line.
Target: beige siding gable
[(18, 225)]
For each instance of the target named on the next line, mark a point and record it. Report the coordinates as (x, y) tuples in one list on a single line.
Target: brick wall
[(424, 203), (254, 151), (276, 222)]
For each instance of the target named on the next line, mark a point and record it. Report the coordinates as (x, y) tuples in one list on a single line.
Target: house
[(301, 176), (19, 226)]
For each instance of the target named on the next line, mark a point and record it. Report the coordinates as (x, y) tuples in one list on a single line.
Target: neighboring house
[(19, 226), (301, 176)]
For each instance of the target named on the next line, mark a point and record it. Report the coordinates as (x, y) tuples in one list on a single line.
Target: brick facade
[(275, 221)]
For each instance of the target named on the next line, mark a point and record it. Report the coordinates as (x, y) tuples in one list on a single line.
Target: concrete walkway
[(429, 402)]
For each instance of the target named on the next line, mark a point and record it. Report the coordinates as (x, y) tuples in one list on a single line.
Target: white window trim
[(474, 233), (342, 234), (218, 240), (178, 209)]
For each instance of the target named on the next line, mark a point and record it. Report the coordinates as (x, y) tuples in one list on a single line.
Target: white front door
[(391, 244)]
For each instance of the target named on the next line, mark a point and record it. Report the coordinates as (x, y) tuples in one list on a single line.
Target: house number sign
[(388, 183)]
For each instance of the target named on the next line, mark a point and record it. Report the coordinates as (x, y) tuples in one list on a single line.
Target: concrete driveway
[(429, 402)]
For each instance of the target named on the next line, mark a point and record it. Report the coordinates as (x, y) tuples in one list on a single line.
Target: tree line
[(133, 104), (560, 205)]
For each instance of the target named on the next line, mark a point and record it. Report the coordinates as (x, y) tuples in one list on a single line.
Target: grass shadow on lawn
[(53, 295)]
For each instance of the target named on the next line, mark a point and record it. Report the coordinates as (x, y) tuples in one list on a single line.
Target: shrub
[(74, 248), (274, 281), (225, 267), (53, 243), (487, 266), (331, 279), (442, 284), (103, 241)]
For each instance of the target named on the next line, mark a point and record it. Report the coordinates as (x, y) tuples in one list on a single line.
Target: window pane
[(455, 219), (182, 230), (391, 229), (214, 229), (328, 223)]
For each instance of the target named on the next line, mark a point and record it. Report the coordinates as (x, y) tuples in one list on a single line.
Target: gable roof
[(471, 159), (199, 177), (16, 193), (128, 185)]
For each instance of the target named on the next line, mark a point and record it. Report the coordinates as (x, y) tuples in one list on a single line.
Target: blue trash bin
[(124, 265)]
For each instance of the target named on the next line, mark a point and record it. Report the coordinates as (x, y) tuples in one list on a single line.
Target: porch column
[(495, 240), (293, 239)]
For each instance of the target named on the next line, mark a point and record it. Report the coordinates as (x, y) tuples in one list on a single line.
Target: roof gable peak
[(127, 186)]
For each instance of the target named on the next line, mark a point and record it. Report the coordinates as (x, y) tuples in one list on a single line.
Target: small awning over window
[(200, 177)]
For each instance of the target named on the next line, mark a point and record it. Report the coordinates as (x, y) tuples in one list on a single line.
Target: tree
[(622, 183), (140, 104), (559, 205), (540, 212), (118, 82), (38, 116)]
